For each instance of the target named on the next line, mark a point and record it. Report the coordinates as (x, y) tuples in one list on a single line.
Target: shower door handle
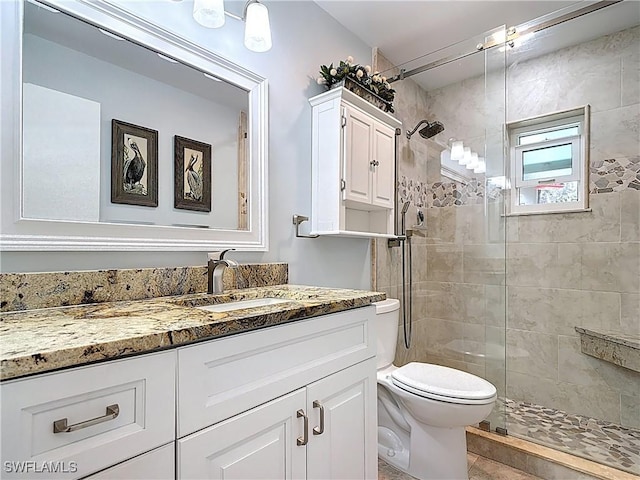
[(320, 429)]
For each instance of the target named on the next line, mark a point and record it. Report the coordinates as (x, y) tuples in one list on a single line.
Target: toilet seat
[(443, 384)]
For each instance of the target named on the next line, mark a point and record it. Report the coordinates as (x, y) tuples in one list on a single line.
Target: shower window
[(548, 163)]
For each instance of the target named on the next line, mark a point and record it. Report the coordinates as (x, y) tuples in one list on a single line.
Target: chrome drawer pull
[(60, 426), (305, 436), (319, 430)]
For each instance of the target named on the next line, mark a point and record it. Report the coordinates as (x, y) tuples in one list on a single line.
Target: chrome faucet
[(216, 265)]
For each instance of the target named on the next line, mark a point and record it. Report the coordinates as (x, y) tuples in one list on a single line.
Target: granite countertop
[(36, 341)]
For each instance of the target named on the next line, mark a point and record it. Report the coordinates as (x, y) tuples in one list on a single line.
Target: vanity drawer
[(221, 378), (72, 423)]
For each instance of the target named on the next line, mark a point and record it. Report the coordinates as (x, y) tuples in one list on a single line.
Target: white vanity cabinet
[(158, 464), (353, 166), (295, 401), (76, 422)]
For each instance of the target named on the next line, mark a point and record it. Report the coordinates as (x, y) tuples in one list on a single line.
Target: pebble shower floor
[(593, 439)]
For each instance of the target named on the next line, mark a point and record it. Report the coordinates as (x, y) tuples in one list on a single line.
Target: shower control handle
[(374, 163)]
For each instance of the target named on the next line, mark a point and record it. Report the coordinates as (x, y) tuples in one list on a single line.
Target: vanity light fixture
[(209, 13), (457, 151), (466, 158), (473, 162), (482, 166), (257, 31)]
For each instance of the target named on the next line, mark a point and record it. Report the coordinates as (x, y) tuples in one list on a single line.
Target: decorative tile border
[(440, 194), (26, 291), (615, 175), (610, 175)]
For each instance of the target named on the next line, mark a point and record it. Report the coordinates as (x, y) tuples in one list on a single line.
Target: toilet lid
[(443, 382)]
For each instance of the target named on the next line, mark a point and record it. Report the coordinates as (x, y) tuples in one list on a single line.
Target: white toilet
[(423, 409)]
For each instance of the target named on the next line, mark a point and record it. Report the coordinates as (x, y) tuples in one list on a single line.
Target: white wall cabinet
[(293, 401), (369, 160), (353, 166)]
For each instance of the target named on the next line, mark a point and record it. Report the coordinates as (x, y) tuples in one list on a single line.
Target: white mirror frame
[(21, 234)]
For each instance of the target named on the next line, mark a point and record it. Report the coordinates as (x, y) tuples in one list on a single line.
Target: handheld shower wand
[(406, 296), (403, 214)]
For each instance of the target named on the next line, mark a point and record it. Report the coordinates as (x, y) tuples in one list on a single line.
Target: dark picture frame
[(192, 175), (134, 164)]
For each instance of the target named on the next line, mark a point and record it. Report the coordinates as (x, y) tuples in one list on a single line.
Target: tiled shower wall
[(562, 270)]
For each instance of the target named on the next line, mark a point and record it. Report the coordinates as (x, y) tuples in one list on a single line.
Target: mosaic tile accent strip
[(593, 439), (440, 194), (611, 175), (615, 175), (26, 291)]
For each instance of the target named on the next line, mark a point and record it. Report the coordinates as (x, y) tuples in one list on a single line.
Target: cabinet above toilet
[(353, 166)]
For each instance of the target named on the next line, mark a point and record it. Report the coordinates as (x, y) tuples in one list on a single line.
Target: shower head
[(431, 129), (405, 207)]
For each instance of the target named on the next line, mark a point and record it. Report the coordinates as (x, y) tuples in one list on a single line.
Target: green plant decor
[(348, 71)]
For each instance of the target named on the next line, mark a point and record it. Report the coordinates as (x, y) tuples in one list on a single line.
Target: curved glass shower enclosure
[(534, 300)]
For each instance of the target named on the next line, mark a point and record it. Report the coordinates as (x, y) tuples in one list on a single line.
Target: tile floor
[(593, 439), (480, 468)]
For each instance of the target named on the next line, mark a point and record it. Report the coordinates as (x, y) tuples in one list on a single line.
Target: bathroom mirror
[(128, 136)]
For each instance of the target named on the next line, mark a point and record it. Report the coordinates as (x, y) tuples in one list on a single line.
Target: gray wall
[(304, 37)]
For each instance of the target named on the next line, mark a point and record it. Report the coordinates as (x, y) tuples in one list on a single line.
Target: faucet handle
[(218, 255)]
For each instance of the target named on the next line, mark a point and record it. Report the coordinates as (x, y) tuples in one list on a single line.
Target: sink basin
[(239, 305)]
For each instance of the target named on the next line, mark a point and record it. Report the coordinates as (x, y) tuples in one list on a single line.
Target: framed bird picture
[(134, 164), (192, 174)]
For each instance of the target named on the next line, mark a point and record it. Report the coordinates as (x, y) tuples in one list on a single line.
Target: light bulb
[(257, 32), (466, 158), (209, 13), (457, 151), (473, 162)]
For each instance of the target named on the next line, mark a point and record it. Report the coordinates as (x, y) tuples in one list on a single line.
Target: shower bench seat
[(621, 349)]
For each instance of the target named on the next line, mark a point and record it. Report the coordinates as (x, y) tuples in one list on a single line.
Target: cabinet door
[(384, 170), (347, 448), (358, 156), (258, 444), (157, 464)]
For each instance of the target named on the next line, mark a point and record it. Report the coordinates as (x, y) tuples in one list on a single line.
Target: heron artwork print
[(134, 165), (192, 175)]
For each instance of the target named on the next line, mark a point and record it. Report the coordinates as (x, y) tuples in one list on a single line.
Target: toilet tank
[(387, 317)]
